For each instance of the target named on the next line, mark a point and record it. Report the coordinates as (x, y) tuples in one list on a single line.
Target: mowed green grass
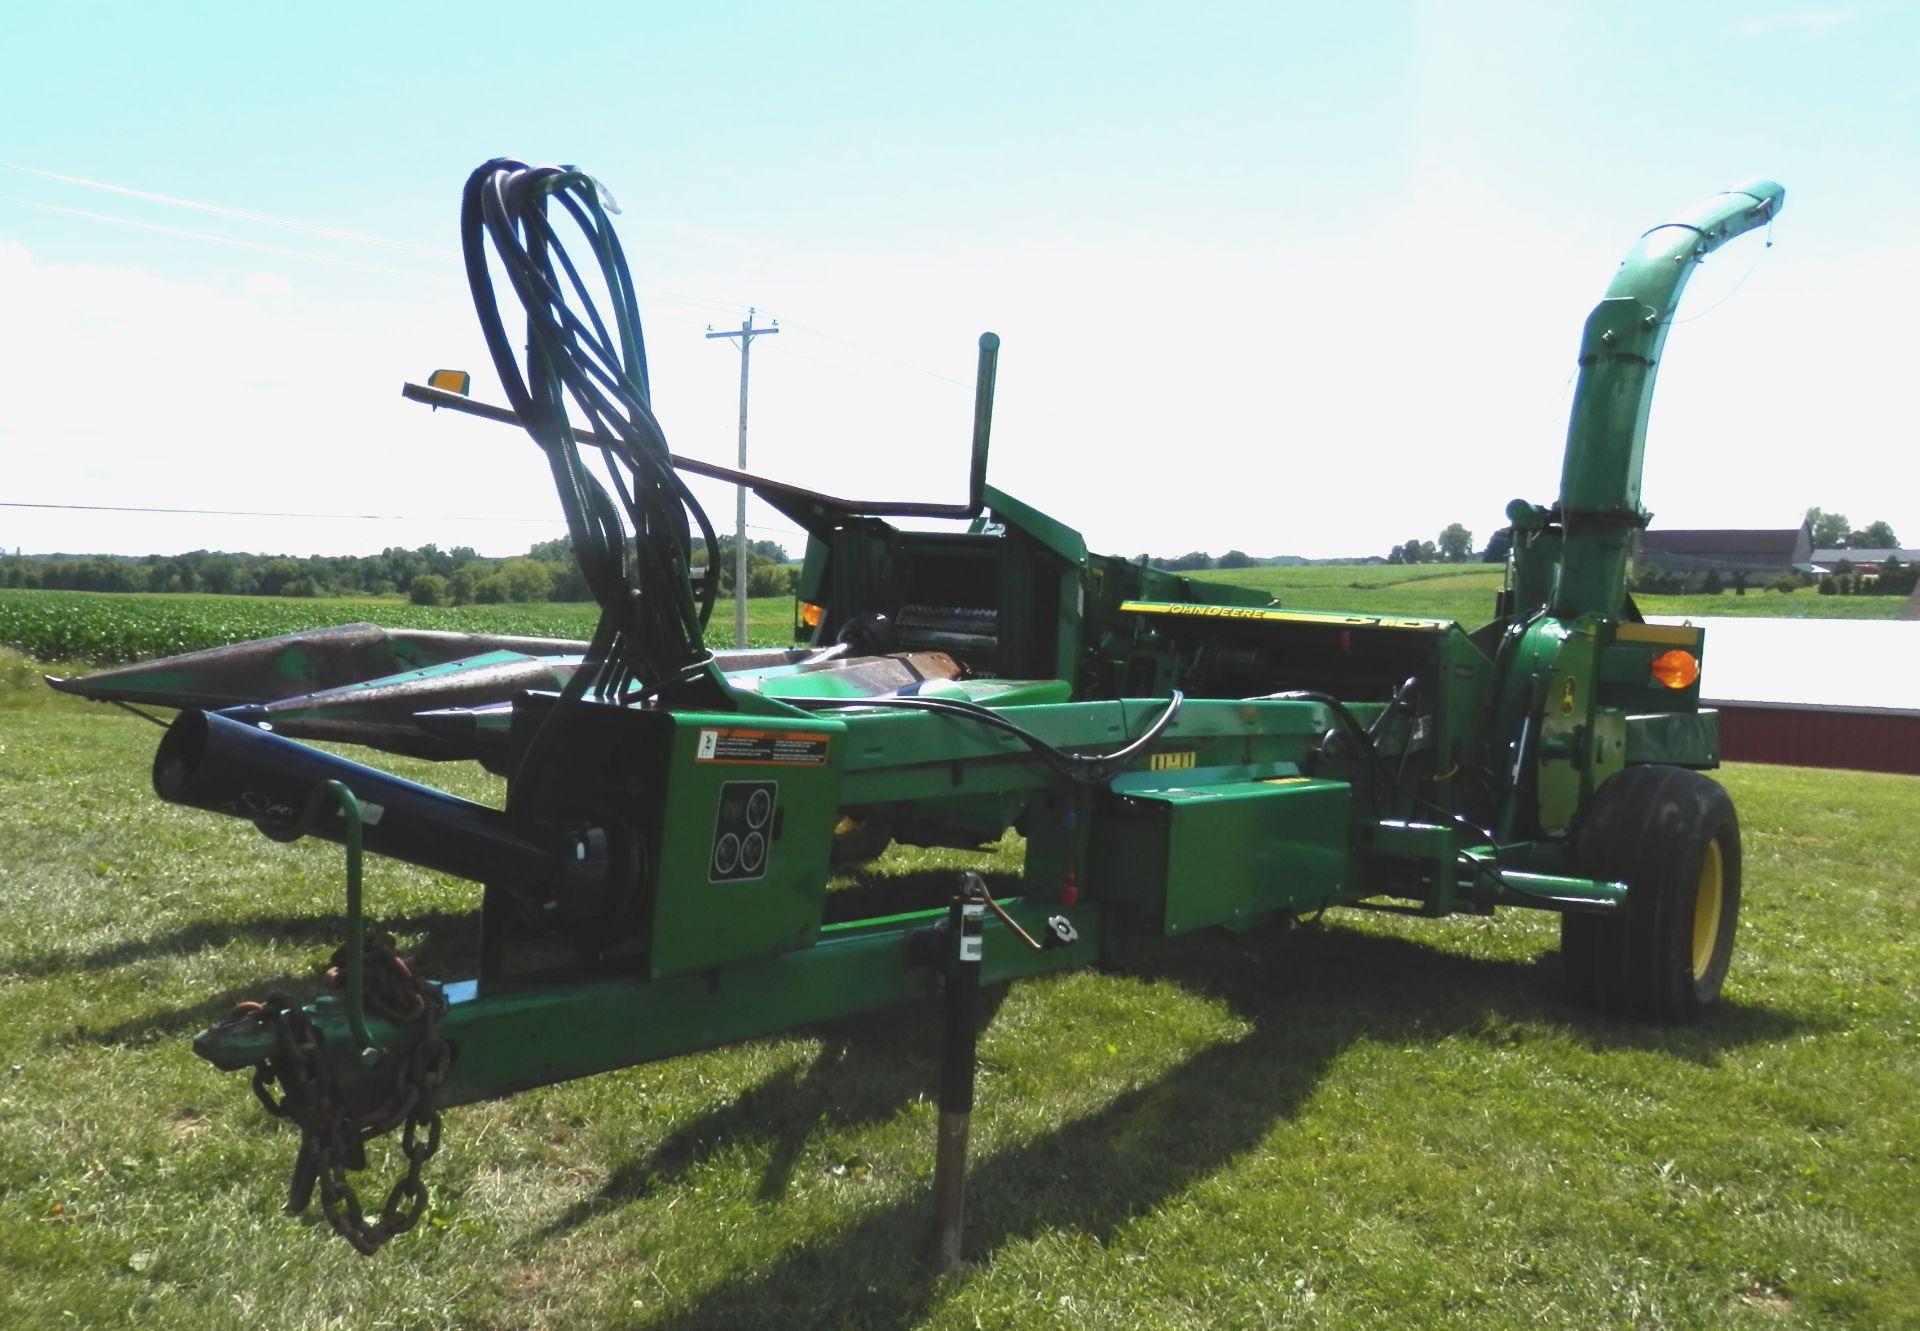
[(1465, 592), (1372, 1122)]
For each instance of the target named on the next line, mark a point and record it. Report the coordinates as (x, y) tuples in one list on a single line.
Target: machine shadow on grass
[(305, 930), (448, 948), (1306, 1001)]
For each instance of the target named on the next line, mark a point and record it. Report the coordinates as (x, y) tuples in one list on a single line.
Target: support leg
[(958, 1034)]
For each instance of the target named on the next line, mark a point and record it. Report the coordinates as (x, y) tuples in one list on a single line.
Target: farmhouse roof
[(1836, 554), (1745, 542)]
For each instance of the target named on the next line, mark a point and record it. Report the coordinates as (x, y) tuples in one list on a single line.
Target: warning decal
[(784, 748)]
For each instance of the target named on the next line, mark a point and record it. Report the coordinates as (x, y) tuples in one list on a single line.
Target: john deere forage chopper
[(657, 880)]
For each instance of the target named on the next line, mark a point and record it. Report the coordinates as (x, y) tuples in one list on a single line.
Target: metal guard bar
[(976, 469)]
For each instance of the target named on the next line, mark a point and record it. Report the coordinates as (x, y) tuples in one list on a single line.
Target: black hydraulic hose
[(652, 620), (1376, 765)]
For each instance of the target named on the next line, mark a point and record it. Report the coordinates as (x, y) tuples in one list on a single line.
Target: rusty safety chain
[(334, 1131)]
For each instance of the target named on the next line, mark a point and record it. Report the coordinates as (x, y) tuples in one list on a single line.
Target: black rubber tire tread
[(1649, 827), (867, 841)]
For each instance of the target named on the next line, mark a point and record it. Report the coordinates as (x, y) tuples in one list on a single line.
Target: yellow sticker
[(1566, 696), (1324, 618), (1670, 635), (1170, 762)]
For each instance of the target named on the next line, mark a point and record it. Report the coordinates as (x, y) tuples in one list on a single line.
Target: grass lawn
[(1465, 592), (1369, 1122)]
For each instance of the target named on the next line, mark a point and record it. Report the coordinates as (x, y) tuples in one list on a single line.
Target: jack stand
[(960, 1016)]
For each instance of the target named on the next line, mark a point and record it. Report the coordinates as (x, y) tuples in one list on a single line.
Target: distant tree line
[(1195, 560), (1893, 579), (1652, 581), (1832, 531), (1454, 545), (426, 576)]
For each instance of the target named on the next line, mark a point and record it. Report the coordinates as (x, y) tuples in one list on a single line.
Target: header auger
[(1177, 756)]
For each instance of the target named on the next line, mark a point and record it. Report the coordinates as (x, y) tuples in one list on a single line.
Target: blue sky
[(1289, 279)]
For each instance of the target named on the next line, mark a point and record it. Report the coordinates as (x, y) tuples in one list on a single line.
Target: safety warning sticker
[(783, 748)]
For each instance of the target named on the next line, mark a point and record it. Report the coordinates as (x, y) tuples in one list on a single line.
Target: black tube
[(982, 421), (225, 766), (960, 1013)]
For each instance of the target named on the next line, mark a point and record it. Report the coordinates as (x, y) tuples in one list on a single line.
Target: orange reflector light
[(1676, 669), (810, 614)]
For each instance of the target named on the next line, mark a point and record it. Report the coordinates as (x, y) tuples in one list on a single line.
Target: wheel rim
[(1708, 900)]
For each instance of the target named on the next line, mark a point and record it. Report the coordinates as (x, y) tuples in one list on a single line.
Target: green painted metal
[(894, 756), (1681, 739), (1229, 853), (730, 816), (1620, 352), (515, 1036), (1626, 667), (353, 969), (1049, 533), (1566, 731), (1559, 892), (1409, 859), (1318, 759)]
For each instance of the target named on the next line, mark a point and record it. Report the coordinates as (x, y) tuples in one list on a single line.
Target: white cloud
[(1805, 23), (1336, 401)]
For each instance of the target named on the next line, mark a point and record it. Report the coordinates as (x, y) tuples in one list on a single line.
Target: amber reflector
[(810, 614), (1676, 669)]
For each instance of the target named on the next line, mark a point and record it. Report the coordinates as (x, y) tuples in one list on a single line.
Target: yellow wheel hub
[(1708, 898)]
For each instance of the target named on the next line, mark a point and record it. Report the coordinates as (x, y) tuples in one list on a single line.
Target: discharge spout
[(1620, 354), (225, 766)]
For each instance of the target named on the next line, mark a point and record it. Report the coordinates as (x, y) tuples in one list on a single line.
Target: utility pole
[(746, 333)]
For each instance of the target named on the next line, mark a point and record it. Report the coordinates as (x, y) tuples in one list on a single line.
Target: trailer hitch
[(392, 1085)]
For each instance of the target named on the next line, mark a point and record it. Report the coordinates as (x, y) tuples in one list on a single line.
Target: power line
[(241, 244), (878, 355), (257, 513), (312, 228)]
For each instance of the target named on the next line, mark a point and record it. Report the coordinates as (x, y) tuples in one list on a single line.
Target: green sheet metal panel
[(1682, 739), (1227, 854), (729, 815), (1565, 741), (748, 820)]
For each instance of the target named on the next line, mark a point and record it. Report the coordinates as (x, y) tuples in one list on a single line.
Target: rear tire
[(1673, 837), (859, 835)]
